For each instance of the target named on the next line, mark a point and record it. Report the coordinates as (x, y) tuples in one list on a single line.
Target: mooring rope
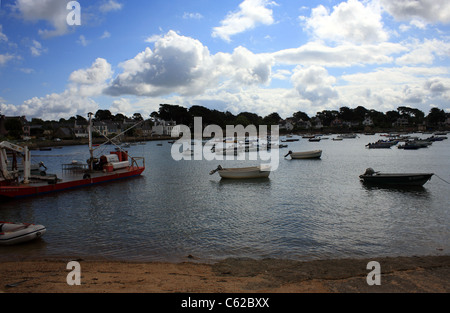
[(442, 179)]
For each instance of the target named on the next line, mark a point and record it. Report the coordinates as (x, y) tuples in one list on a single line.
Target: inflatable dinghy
[(14, 233)]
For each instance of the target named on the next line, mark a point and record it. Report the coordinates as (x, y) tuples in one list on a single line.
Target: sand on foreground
[(399, 274)]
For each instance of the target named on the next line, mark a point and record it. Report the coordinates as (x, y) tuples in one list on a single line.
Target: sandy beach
[(426, 274)]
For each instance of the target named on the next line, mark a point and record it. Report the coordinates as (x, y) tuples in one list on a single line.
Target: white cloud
[(75, 100), (314, 84), (245, 67), (91, 81), (250, 14), (183, 65), (106, 34), (37, 49), (55, 106), (431, 11), (195, 16), (110, 5), (55, 13), (177, 64), (350, 21), (424, 52), (343, 55), (52, 11), (3, 37), (387, 88), (82, 41), (4, 58)]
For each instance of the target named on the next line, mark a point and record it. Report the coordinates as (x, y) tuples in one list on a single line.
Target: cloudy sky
[(258, 56)]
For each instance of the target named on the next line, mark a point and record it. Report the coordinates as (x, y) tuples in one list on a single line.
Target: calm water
[(307, 209)]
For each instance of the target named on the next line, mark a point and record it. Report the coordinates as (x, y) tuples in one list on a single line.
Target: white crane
[(10, 175)]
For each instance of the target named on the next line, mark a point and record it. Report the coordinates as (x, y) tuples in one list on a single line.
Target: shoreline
[(417, 274)]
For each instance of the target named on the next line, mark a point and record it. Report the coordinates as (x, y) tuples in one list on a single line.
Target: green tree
[(436, 116), (346, 114), (272, 119), (176, 113), (327, 116), (103, 115), (138, 117), (14, 128), (300, 116), (242, 120)]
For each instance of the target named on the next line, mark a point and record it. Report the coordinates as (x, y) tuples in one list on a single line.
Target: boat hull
[(29, 190), (243, 173), (316, 154), (397, 179), (12, 233)]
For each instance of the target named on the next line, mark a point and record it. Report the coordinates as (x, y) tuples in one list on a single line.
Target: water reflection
[(245, 182), (417, 191)]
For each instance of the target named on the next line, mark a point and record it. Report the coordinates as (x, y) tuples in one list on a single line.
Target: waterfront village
[(39, 132)]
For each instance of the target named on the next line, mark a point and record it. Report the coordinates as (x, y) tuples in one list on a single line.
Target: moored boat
[(379, 145), (382, 144), (395, 179), (412, 146), (315, 154), (114, 166), (14, 233), (242, 172)]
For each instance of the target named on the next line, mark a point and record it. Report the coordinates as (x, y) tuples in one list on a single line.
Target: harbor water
[(305, 210)]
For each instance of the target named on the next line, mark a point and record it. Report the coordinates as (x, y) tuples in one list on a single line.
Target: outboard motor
[(369, 171)]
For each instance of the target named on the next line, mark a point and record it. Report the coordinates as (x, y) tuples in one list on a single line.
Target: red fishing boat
[(110, 167)]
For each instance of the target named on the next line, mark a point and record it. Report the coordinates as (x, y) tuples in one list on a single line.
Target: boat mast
[(91, 150)]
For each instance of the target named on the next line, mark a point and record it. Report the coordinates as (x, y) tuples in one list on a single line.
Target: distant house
[(147, 128), (23, 121), (64, 133), (163, 128), (106, 128), (317, 122), (336, 122), (81, 129), (401, 121), (303, 124), (286, 124)]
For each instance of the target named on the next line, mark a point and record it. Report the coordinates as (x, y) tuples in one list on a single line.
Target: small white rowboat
[(315, 154), (243, 172), (14, 233)]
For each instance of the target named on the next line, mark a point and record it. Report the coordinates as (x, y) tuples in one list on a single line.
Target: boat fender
[(86, 176)]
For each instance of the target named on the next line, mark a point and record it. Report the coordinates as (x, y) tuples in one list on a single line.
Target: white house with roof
[(163, 128)]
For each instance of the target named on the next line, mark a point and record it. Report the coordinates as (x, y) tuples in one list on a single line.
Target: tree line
[(182, 115)]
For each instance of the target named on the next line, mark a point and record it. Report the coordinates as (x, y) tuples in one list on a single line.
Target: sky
[(63, 58)]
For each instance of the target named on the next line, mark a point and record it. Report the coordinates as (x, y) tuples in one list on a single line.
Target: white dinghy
[(14, 233), (243, 172), (315, 154)]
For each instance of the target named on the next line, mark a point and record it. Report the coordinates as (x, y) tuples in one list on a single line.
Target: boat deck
[(66, 180)]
